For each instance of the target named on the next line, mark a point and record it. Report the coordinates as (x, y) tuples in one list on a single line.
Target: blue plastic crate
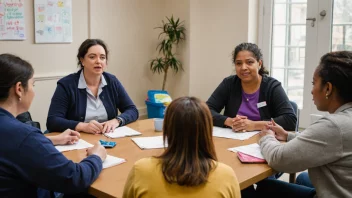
[(151, 94), (155, 110)]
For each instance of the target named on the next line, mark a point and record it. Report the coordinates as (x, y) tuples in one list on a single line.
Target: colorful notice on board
[(12, 20), (53, 21)]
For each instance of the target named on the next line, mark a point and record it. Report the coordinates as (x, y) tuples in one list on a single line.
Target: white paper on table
[(122, 132), (251, 149), (228, 133), (112, 161), (80, 144), (154, 142)]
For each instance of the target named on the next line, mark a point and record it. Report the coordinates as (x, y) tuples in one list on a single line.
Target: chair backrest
[(296, 110), (27, 119)]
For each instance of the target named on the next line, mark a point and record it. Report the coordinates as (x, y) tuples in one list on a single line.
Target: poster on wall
[(12, 20), (53, 21)]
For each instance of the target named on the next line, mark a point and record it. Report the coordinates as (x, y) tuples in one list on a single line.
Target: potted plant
[(172, 33)]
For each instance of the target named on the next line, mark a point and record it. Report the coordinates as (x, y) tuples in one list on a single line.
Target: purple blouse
[(249, 106)]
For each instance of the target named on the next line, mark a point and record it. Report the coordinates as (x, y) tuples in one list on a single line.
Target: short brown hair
[(190, 154)]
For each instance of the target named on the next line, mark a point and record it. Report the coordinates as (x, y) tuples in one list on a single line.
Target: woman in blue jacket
[(89, 100), (28, 159)]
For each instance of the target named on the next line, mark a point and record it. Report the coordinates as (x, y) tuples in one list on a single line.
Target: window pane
[(341, 37), (288, 46), (342, 11), (298, 35), (278, 74), (295, 78), (279, 35), (296, 95), (302, 56), (279, 14), (337, 38), (296, 57), (298, 13), (278, 57), (342, 26), (299, 1)]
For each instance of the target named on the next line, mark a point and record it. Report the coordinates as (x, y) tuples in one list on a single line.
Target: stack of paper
[(122, 132), (112, 161), (80, 144), (251, 149), (150, 142), (228, 133)]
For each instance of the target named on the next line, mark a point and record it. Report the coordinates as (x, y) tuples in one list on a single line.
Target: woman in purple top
[(250, 98)]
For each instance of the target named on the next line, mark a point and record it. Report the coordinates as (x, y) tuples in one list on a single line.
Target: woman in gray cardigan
[(324, 148)]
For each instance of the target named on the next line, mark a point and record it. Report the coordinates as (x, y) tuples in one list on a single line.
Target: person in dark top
[(89, 100), (250, 98), (28, 160)]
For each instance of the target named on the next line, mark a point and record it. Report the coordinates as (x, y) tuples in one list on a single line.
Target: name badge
[(261, 104)]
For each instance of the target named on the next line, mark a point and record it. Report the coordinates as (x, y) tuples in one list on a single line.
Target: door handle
[(323, 13), (311, 19)]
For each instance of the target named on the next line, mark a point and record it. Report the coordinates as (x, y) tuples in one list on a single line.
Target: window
[(342, 25), (292, 45), (288, 46)]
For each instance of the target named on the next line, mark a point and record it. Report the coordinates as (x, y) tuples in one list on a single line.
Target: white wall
[(178, 84), (214, 28), (49, 60), (128, 29)]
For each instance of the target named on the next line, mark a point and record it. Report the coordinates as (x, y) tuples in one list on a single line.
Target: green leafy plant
[(172, 33)]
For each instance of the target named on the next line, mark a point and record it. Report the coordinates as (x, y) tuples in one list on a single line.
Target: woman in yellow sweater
[(188, 168)]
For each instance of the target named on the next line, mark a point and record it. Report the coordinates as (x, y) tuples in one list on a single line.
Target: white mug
[(158, 124)]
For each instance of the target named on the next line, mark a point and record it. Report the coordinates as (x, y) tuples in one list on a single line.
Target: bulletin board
[(12, 20), (53, 21)]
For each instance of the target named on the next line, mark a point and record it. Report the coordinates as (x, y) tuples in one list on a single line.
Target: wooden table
[(111, 181)]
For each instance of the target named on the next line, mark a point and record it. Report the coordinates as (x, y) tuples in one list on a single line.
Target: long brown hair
[(190, 154)]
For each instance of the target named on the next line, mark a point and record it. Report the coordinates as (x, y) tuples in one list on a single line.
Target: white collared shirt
[(95, 108)]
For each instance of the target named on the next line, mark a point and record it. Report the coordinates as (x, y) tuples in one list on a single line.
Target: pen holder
[(158, 124)]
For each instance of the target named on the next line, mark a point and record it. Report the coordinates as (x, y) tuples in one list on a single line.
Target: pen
[(273, 122)]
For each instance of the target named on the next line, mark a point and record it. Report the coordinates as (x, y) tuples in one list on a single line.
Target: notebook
[(80, 144), (244, 158), (228, 133), (251, 149), (112, 161), (154, 142), (123, 131)]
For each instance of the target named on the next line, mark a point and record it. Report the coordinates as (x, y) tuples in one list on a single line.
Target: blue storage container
[(151, 94), (155, 110)]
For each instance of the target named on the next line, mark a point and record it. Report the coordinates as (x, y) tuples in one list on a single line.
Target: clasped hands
[(95, 127), (240, 124)]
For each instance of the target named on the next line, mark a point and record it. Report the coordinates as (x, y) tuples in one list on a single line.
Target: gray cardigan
[(324, 148)]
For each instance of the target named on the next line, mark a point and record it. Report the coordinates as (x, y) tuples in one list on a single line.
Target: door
[(294, 34)]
